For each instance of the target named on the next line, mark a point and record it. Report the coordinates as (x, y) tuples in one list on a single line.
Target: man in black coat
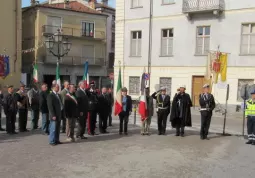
[(163, 109), (104, 109), (126, 111), (71, 112), (55, 107), (10, 110), (82, 100), (44, 108), (180, 113), (1, 104), (110, 94)]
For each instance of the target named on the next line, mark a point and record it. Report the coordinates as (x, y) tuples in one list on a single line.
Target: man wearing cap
[(180, 113), (10, 110), (163, 109), (92, 108), (63, 95), (150, 111), (207, 104), (250, 115), (22, 102), (126, 111)]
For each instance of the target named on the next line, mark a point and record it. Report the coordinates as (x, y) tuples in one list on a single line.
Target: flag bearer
[(250, 115), (163, 109), (207, 104)]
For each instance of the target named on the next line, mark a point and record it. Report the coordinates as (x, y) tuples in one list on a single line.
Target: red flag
[(143, 107)]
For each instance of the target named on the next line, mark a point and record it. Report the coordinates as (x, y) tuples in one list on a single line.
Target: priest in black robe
[(180, 113)]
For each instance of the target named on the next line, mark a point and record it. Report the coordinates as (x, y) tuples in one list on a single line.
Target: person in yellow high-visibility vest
[(250, 115)]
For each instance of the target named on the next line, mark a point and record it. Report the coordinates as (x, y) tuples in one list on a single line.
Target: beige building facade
[(10, 35), (84, 27)]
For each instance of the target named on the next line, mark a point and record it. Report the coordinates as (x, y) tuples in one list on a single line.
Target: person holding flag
[(146, 113)]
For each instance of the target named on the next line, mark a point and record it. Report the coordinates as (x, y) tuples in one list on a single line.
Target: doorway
[(197, 88)]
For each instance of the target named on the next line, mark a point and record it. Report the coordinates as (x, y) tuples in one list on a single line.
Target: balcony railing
[(74, 60), (192, 6), (73, 32)]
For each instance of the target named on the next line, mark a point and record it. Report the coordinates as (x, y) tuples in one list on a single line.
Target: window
[(134, 85), (88, 29), (113, 40), (53, 24), (203, 40), (136, 3), (166, 82), (168, 1), (248, 39), (167, 42), (241, 83), (136, 43)]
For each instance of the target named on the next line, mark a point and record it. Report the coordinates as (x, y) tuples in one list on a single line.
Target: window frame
[(203, 36), (84, 29), (249, 39), (139, 5), (169, 3), (168, 29), (168, 90), (138, 87), (136, 39)]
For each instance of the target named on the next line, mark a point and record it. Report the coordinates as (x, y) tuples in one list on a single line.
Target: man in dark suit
[(44, 108), (1, 104), (126, 111), (55, 107), (83, 103), (71, 112), (163, 109), (110, 94), (104, 109)]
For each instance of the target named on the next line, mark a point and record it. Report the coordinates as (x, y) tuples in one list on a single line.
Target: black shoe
[(159, 133), (142, 133), (249, 142), (177, 135), (52, 144), (1, 129), (253, 143), (14, 132), (182, 135), (110, 125), (26, 130), (59, 142), (202, 137), (84, 138), (126, 133), (206, 138)]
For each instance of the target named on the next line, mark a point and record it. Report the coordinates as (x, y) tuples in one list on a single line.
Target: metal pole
[(150, 40), (225, 114), (244, 106)]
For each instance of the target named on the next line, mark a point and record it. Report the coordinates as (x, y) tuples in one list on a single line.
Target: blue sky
[(27, 2)]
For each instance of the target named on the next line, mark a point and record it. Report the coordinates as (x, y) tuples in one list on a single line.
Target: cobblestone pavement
[(27, 155)]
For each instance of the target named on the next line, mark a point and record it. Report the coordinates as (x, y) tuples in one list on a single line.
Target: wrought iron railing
[(202, 5), (49, 30), (74, 60)]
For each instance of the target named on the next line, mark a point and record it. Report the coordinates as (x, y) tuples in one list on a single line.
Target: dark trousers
[(81, 125), (22, 120), (92, 121), (110, 117), (206, 117), (179, 127), (0, 120), (34, 118), (251, 128), (123, 119), (63, 119), (162, 118), (10, 122), (103, 122)]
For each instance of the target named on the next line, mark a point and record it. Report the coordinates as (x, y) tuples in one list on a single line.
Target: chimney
[(92, 4), (66, 4)]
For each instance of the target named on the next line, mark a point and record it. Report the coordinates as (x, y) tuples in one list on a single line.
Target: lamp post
[(58, 39)]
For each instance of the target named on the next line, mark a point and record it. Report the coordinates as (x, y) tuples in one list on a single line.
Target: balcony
[(74, 60), (49, 30), (203, 6)]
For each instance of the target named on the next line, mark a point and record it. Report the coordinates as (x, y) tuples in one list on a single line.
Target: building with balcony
[(84, 27), (10, 35), (182, 34)]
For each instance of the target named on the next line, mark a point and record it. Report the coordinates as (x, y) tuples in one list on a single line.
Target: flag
[(6, 66), (85, 77), (58, 76), (208, 72), (224, 64), (143, 100), (1, 66), (35, 73), (118, 101)]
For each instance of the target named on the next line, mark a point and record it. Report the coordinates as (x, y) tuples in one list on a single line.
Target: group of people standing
[(71, 105), (180, 116)]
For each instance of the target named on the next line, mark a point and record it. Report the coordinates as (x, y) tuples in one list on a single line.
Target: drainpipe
[(16, 35), (150, 41)]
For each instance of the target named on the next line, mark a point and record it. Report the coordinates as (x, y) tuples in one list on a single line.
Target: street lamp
[(57, 39)]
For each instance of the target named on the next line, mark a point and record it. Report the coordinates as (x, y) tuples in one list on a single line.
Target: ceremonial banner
[(35, 73), (2, 66), (6, 66), (224, 64), (118, 100), (143, 101), (58, 77), (85, 77)]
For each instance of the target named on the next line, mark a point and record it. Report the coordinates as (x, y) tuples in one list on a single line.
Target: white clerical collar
[(54, 92)]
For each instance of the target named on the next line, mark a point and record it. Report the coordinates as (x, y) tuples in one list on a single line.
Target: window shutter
[(252, 44), (199, 45), (170, 46), (133, 47), (139, 47), (206, 45), (164, 47)]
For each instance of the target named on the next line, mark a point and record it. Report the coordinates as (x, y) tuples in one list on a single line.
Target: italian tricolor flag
[(85, 77), (35, 73), (143, 100), (58, 76), (118, 102)]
